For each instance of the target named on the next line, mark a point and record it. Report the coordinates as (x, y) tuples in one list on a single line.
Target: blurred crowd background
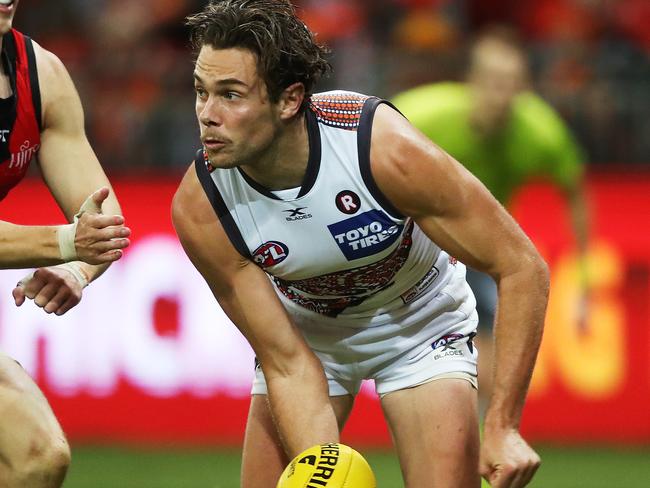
[(132, 64)]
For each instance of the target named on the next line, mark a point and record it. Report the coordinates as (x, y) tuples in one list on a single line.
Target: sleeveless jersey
[(339, 248), (20, 114)]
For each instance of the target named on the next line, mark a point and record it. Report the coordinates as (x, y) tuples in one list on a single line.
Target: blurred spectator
[(591, 60)]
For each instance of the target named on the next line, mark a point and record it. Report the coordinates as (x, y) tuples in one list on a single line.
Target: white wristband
[(66, 234), (75, 269)]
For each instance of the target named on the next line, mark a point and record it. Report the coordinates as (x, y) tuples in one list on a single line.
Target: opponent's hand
[(55, 289), (99, 238), (507, 461)]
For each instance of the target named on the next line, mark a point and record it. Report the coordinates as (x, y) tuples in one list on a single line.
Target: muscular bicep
[(69, 165), (448, 203), (242, 289)]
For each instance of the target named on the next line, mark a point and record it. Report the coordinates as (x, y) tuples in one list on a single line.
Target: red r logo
[(348, 202)]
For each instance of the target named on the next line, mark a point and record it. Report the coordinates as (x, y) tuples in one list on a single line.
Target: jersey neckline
[(313, 162)]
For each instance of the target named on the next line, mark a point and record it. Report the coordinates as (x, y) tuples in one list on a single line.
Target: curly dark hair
[(286, 50)]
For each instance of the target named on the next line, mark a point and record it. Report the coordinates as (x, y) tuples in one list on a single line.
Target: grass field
[(117, 467)]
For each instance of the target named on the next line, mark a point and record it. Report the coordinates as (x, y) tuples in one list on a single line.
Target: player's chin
[(219, 159)]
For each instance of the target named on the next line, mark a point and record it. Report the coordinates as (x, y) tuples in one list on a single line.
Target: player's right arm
[(75, 179), (32, 246), (23, 246), (298, 390)]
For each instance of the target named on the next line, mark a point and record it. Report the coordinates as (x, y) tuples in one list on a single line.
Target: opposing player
[(41, 117), (328, 229), (506, 136)]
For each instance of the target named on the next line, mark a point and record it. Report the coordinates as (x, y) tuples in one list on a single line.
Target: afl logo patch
[(446, 341), (348, 202), (270, 253)]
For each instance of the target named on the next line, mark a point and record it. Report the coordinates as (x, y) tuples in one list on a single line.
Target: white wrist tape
[(75, 269), (66, 233)]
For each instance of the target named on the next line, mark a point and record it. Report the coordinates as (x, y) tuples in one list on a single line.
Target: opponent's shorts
[(425, 339)]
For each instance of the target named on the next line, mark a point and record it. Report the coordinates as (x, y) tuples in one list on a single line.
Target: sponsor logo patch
[(420, 287), (295, 214), (348, 202), (366, 234), (270, 253), (446, 341), (21, 159), (448, 344)]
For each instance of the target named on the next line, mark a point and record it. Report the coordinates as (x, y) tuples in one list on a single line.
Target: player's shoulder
[(58, 94), (339, 96), (433, 94), (49, 65), (187, 191), (187, 206), (341, 109), (199, 228), (429, 103), (533, 111)]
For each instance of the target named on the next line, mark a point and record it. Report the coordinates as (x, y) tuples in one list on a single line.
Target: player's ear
[(291, 99)]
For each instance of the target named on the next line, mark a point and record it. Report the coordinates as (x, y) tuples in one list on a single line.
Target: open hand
[(99, 238)]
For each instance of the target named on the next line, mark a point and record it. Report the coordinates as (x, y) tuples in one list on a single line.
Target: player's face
[(497, 77), (7, 11), (238, 121)]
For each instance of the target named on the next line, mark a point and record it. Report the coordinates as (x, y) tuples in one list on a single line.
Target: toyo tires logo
[(365, 234)]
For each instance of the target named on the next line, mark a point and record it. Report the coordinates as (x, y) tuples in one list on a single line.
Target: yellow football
[(328, 466)]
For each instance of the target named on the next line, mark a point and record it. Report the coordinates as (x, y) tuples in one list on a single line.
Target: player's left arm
[(460, 215), (72, 172)]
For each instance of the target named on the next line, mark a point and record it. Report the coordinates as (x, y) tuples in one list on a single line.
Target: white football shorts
[(427, 338)]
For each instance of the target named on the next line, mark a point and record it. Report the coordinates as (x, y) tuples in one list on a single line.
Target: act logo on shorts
[(365, 234), (270, 253)]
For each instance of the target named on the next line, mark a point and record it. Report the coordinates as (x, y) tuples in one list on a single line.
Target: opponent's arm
[(73, 174), (298, 390), (69, 165), (458, 213), (25, 246), (78, 183)]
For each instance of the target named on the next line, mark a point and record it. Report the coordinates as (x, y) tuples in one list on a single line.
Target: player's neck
[(487, 123), (284, 164)]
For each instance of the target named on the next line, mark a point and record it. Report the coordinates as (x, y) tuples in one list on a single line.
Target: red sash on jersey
[(24, 137)]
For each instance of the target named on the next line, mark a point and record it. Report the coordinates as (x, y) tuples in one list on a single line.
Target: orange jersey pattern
[(340, 110)]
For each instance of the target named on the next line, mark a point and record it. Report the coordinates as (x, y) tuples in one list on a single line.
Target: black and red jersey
[(20, 114)]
